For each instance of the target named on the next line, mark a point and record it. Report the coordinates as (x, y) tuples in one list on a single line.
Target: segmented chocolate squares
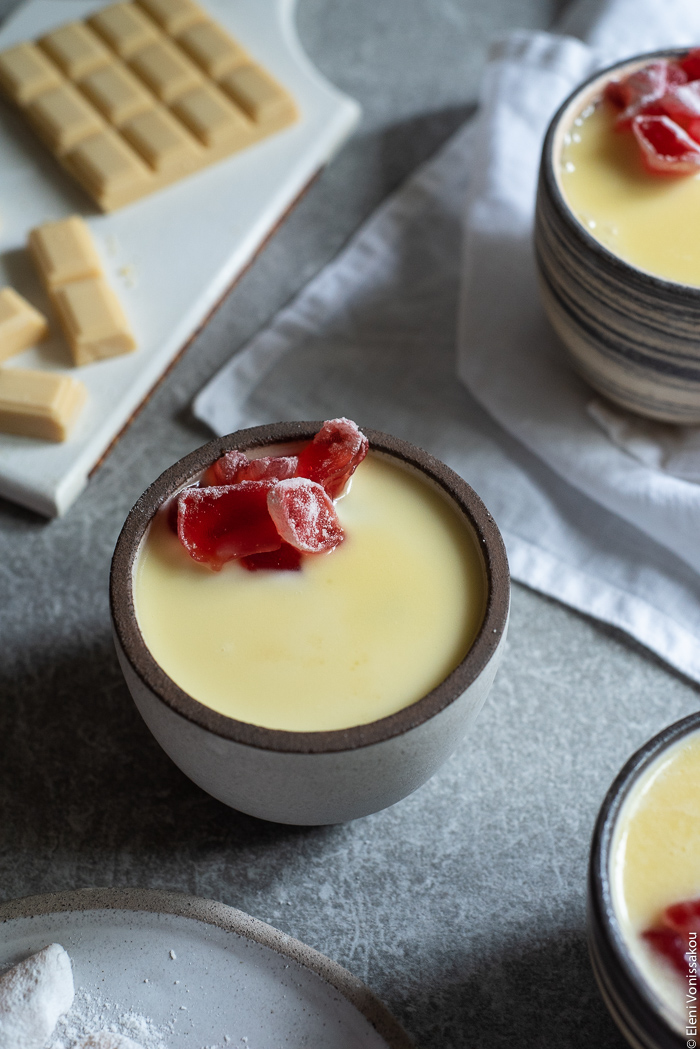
[(142, 94)]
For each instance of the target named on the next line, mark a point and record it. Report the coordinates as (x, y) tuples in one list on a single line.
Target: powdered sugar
[(107, 1040), (92, 1014)]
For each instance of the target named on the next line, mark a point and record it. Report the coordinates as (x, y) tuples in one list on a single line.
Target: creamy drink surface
[(656, 860), (355, 635), (650, 220)]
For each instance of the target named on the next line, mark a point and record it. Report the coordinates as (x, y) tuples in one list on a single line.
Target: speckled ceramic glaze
[(310, 777), (634, 336), (195, 972), (633, 1003)]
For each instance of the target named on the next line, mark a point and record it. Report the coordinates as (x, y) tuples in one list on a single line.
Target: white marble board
[(171, 257)]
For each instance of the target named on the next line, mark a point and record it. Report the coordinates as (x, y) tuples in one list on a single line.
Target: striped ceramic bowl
[(645, 1018), (635, 337)]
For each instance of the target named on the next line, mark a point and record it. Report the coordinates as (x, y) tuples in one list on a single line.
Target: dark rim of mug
[(157, 681), (631, 989), (647, 282)]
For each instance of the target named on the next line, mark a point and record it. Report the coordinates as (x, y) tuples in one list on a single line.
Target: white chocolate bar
[(21, 326), (105, 94), (38, 404)]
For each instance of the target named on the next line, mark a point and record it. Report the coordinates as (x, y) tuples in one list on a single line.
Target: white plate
[(171, 256), (238, 977)]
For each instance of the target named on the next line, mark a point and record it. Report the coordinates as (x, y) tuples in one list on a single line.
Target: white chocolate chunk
[(33, 995), (212, 118), (21, 326), (63, 118), (108, 168), (64, 251), (76, 49), (162, 141), (25, 72), (38, 404), (258, 94), (107, 1040), (166, 70), (116, 92), (92, 320), (124, 27), (213, 49), (175, 16)]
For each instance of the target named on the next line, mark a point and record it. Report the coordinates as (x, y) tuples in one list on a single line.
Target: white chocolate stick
[(33, 995)]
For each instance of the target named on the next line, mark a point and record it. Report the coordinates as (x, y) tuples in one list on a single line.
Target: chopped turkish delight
[(691, 64), (643, 88), (333, 456), (304, 515), (671, 945), (660, 104), (234, 467), (221, 523), (671, 937), (267, 512), (666, 147), (681, 104), (268, 468), (225, 469)]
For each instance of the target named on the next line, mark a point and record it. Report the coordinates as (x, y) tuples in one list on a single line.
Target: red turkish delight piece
[(220, 523), (683, 917), (671, 945), (225, 469), (615, 94), (642, 89), (666, 147), (672, 936), (286, 559), (269, 468), (170, 510), (681, 103), (675, 75), (234, 467), (333, 456), (691, 64), (304, 515)]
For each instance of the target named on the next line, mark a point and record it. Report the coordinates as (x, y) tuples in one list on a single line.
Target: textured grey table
[(463, 906)]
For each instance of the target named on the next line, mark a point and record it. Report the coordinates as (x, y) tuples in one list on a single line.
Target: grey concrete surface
[(463, 906)]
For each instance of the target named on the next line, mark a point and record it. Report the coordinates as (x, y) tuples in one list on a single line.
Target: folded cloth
[(673, 449), (373, 337)]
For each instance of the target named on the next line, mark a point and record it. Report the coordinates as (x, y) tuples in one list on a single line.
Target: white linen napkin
[(509, 356), (373, 337)]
